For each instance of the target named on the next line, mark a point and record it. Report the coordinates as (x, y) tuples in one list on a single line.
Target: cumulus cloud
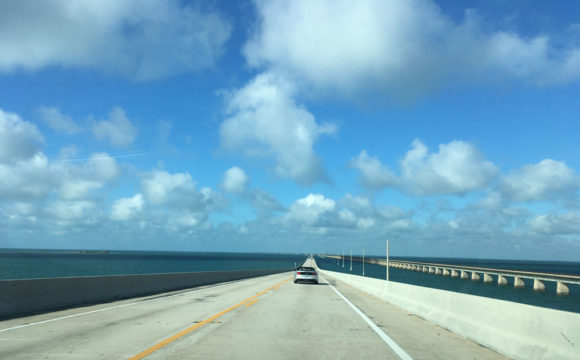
[(457, 168), (80, 181), (548, 179), (309, 209), (319, 214), (59, 122), (127, 208), (26, 179), (404, 48), (556, 223), (117, 129), (19, 139), (143, 40), (73, 210), (235, 180), (178, 195), (373, 174), (265, 121)]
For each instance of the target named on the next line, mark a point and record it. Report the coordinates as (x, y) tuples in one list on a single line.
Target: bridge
[(270, 317), (477, 273)]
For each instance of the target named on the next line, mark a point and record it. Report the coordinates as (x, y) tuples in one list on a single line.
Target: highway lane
[(261, 318)]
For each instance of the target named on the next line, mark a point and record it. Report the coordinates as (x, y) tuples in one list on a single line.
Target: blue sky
[(449, 128)]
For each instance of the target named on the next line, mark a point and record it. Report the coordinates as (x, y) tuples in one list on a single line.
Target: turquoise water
[(547, 299), (29, 264)]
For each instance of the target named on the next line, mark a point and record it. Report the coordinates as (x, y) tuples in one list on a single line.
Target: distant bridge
[(476, 273)]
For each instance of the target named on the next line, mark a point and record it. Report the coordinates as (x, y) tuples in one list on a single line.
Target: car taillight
[(313, 273), (298, 273)]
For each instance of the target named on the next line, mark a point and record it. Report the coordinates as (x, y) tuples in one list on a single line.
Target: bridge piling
[(519, 283), (487, 278), (539, 285), (502, 280), (562, 289), (474, 276)]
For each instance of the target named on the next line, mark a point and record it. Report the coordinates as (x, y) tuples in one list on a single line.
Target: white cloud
[(25, 179), (405, 48), (265, 121), (457, 168), (59, 122), (235, 180), (556, 224), (373, 174), (19, 139), (309, 209), (72, 210), (548, 179), (143, 40), (127, 208), (263, 201), (118, 129), (81, 181), (177, 195)]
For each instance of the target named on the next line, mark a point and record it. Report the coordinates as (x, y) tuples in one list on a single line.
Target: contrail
[(104, 156)]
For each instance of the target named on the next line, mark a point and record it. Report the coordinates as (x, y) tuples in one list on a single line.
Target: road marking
[(253, 302), (171, 339), (118, 306), (392, 344)]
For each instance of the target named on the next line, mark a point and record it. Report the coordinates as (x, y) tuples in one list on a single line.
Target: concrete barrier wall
[(517, 330), (21, 297)]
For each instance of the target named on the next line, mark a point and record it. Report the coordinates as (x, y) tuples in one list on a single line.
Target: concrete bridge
[(477, 273), (270, 317)]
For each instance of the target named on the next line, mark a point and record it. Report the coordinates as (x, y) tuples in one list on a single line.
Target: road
[(268, 317)]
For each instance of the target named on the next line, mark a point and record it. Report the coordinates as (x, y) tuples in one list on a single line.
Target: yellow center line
[(171, 339), (252, 302)]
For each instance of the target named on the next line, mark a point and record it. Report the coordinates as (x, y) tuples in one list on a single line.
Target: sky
[(449, 128)]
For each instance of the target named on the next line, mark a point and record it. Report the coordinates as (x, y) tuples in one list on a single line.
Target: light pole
[(342, 258), (387, 260), (351, 261), (363, 262)]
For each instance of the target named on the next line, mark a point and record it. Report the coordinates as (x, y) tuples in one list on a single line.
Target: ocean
[(527, 295), (29, 264)]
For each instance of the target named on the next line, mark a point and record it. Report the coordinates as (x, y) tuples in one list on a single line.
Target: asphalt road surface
[(268, 317)]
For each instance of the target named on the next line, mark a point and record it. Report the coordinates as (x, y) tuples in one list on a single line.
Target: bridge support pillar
[(438, 271), (501, 280), (519, 283), (454, 273), (431, 270), (425, 269), (539, 285), (464, 274), (487, 278), (445, 272), (562, 289), (474, 276)]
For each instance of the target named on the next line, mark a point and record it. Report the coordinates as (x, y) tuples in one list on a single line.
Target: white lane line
[(392, 344), (120, 306)]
